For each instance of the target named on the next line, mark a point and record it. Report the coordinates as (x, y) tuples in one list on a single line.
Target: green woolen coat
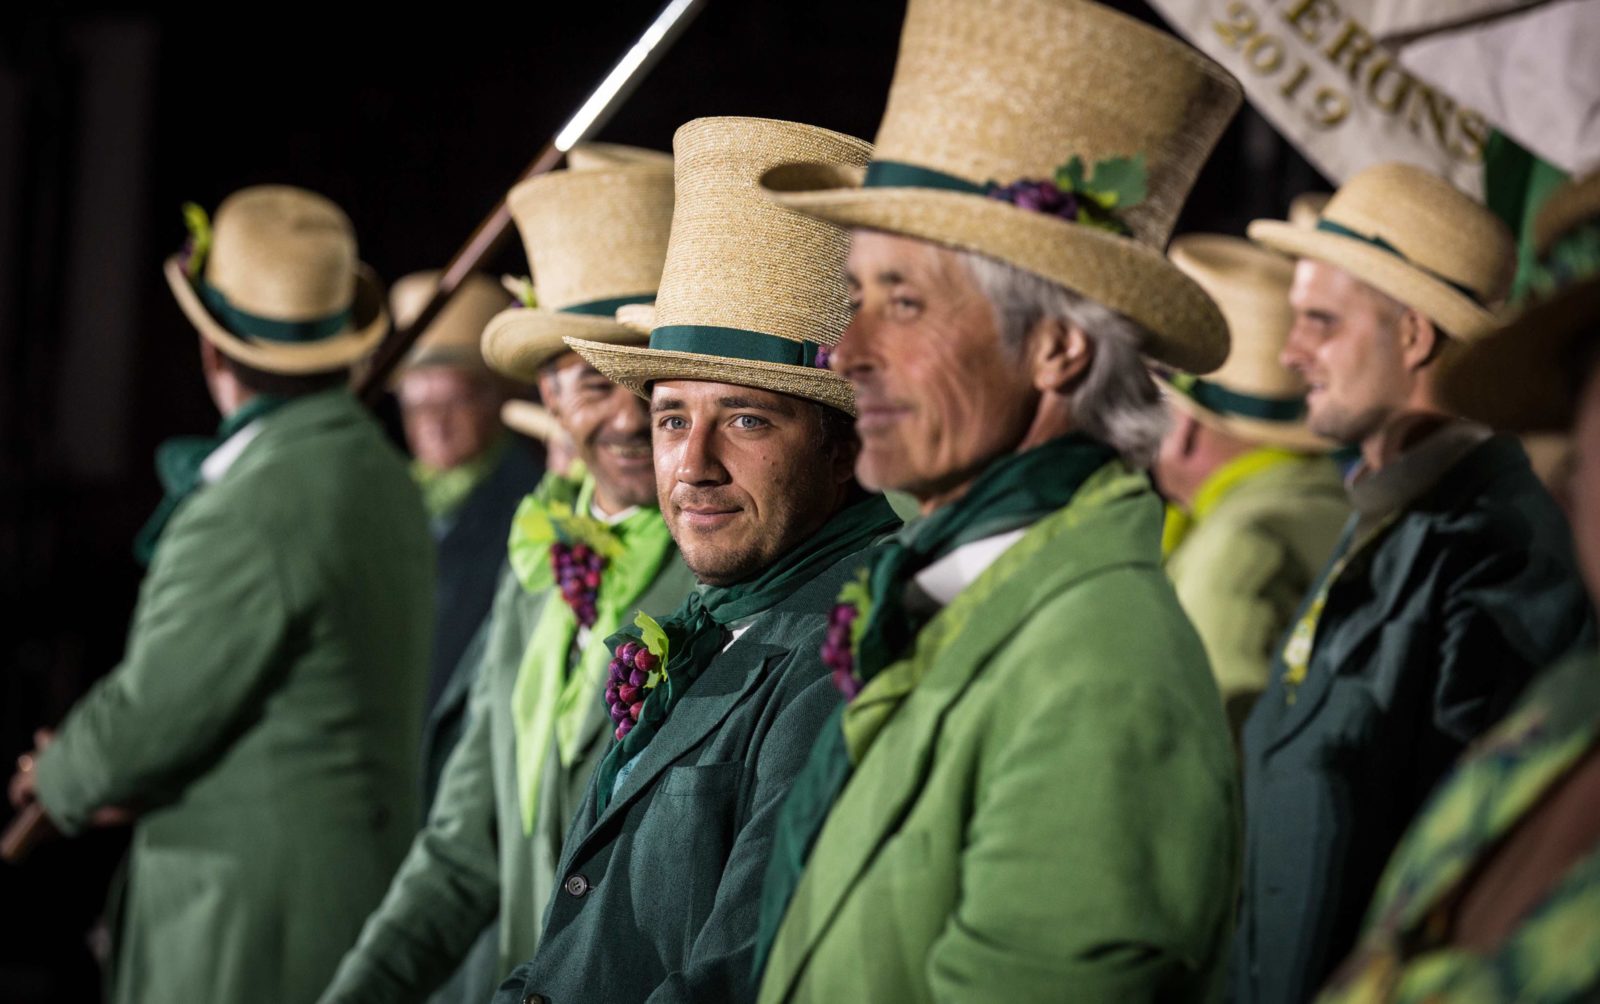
[(1052, 812), (472, 862), (661, 890), (265, 718), (1243, 569)]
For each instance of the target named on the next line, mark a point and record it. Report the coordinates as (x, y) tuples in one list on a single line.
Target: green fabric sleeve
[(1098, 852), (203, 652), (447, 890)]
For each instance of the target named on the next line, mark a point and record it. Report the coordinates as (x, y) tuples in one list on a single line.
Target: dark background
[(109, 121)]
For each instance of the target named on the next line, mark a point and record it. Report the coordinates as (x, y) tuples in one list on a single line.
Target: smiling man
[(1031, 793), (715, 712), (1454, 582), (584, 556)]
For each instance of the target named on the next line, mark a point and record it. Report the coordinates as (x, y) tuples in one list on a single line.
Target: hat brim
[(1449, 308), (518, 341), (1521, 378), (637, 367), (531, 420), (1288, 435), (1187, 329), (370, 321)]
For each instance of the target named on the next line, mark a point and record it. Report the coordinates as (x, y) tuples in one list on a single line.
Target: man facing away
[(716, 706), (263, 724), (1453, 583), (1258, 503), (596, 235)]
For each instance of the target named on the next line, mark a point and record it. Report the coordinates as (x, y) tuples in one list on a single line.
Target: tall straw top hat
[(1252, 396), (1525, 376), (1413, 235), (753, 294), (596, 235), (275, 283), (1057, 136), (453, 337)]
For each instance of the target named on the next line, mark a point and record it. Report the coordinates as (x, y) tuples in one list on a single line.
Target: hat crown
[(595, 233), (1251, 286), (738, 260), (1430, 223), (1007, 92), (453, 336), (283, 253)]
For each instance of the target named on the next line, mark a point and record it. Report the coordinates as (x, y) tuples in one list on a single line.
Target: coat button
[(576, 885)]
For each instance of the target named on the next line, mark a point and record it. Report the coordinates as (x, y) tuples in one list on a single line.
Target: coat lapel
[(697, 714), (1115, 517)]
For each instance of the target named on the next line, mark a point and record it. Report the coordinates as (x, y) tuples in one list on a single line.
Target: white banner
[(1320, 77)]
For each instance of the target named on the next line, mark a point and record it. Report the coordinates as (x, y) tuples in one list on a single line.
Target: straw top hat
[(274, 282), (752, 294), (1525, 376), (1306, 208), (452, 339), (596, 235), (1413, 235), (1252, 396), (531, 420), (1057, 136)]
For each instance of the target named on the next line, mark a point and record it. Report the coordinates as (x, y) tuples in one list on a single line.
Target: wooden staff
[(492, 232), (31, 826)]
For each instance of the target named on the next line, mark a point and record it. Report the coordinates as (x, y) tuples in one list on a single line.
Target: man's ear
[(1420, 341), (550, 391), (1059, 353), (1186, 428)]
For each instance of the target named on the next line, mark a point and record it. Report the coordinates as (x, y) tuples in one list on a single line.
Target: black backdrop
[(110, 120)]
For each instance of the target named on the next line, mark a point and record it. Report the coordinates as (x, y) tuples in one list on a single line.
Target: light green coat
[(265, 718), (472, 860), (1247, 563), (1051, 813)]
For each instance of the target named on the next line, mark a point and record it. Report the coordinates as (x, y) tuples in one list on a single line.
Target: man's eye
[(673, 423), (904, 307), (748, 422), (855, 305)]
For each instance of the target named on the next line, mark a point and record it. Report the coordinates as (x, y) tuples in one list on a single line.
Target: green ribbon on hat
[(1221, 400), (242, 322), (606, 308), (895, 174), (734, 343), (1328, 226)]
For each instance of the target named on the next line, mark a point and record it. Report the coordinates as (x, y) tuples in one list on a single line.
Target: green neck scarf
[(445, 491), (549, 704), (697, 632), (178, 463), (1218, 486), (1015, 491)]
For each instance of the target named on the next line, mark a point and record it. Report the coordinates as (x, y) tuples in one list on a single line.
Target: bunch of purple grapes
[(631, 666), (1037, 197), (578, 568), (836, 650)]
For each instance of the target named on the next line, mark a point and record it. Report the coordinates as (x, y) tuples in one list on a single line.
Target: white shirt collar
[(614, 519), (944, 580), (223, 457)]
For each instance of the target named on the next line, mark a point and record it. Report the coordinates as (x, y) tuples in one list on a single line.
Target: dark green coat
[(1427, 638), (661, 891), (265, 717)]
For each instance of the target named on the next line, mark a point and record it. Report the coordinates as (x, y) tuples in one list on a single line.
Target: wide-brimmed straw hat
[(1525, 376), (752, 293), (531, 420), (1097, 123), (1252, 396), (275, 283), (454, 336), (1413, 235), (596, 235)]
